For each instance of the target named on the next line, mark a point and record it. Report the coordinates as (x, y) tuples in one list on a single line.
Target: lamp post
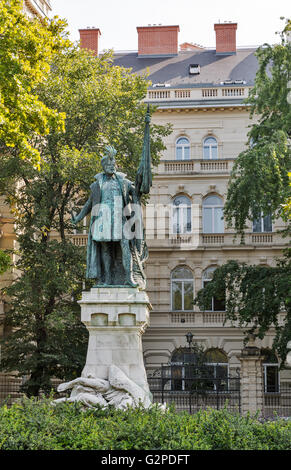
[(189, 338)]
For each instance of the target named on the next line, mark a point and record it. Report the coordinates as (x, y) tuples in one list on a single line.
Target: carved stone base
[(116, 318)]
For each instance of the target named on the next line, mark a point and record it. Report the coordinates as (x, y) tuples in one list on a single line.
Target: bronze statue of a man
[(116, 249)]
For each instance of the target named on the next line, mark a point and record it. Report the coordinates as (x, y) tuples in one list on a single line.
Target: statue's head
[(108, 161)]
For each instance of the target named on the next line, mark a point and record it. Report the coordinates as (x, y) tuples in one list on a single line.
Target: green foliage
[(102, 104), (255, 297), (45, 337), (4, 261), (27, 48), (38, 425), (259, 180)]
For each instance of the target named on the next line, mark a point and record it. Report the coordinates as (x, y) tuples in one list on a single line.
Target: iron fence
[(10, 389), (278, 403), (192, 388), (169, 385)]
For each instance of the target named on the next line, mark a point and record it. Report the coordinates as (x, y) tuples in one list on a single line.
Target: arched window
[(216, 364), (271, 371), (213, 215), (210, 151), (182, 289), (181, 215), (217, 303), (182, 149)]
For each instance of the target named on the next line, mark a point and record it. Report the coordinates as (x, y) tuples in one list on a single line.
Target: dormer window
[(233, 82), (161, 85), (194, 69)]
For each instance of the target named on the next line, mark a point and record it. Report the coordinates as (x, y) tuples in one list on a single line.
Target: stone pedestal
[(116, 318), (251, 380)]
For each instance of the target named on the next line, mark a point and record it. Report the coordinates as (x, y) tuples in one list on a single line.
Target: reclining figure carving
[(118, 391)]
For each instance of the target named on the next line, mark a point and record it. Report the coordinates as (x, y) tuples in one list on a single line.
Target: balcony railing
[(213, 239), (262, 238), (80, 239), (172, 94), (182, 166), (191, 240), (199, 318), (195, 166)]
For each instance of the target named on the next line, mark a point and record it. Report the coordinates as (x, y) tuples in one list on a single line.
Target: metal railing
[(278, 403), (191, 388), (10, 389)]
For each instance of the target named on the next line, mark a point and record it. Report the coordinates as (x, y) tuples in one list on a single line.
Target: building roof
[(214, 69)]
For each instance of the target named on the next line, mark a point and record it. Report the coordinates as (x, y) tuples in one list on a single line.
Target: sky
[(258, 20)]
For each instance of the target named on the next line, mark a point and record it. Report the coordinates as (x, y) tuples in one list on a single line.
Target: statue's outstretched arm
[(85, 211)]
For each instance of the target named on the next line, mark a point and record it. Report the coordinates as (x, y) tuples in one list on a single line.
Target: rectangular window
[(262, 224), (188, 295), (177, 295), (179, 153), (216, 305), (186, 153), (218, 220), (175, 223), (181, 220), (267, 223), (271, 378), (209, 307), (214, 153), (206, 153), (182, 295), (218, 377), (213, 220), (219, 304), (177, 373), (207, 220)]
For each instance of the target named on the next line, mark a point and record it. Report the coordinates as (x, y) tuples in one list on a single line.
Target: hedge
[(38, 425)]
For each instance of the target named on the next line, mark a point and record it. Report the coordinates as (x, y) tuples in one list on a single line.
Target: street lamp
[(189, 338)]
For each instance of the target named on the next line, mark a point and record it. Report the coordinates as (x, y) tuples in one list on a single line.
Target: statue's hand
[(73, 219)]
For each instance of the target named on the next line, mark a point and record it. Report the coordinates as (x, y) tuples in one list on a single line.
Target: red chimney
[(157, 41), (225, 38), (89, 39)]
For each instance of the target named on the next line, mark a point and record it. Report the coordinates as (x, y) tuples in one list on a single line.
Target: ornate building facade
[(201, 93)]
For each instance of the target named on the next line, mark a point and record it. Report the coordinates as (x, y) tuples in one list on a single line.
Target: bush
[(39, 425)]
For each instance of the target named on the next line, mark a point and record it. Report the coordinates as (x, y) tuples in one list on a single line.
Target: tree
[(259, 182), (103, 104), (256, 295), (26, 51), (4, 261)]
